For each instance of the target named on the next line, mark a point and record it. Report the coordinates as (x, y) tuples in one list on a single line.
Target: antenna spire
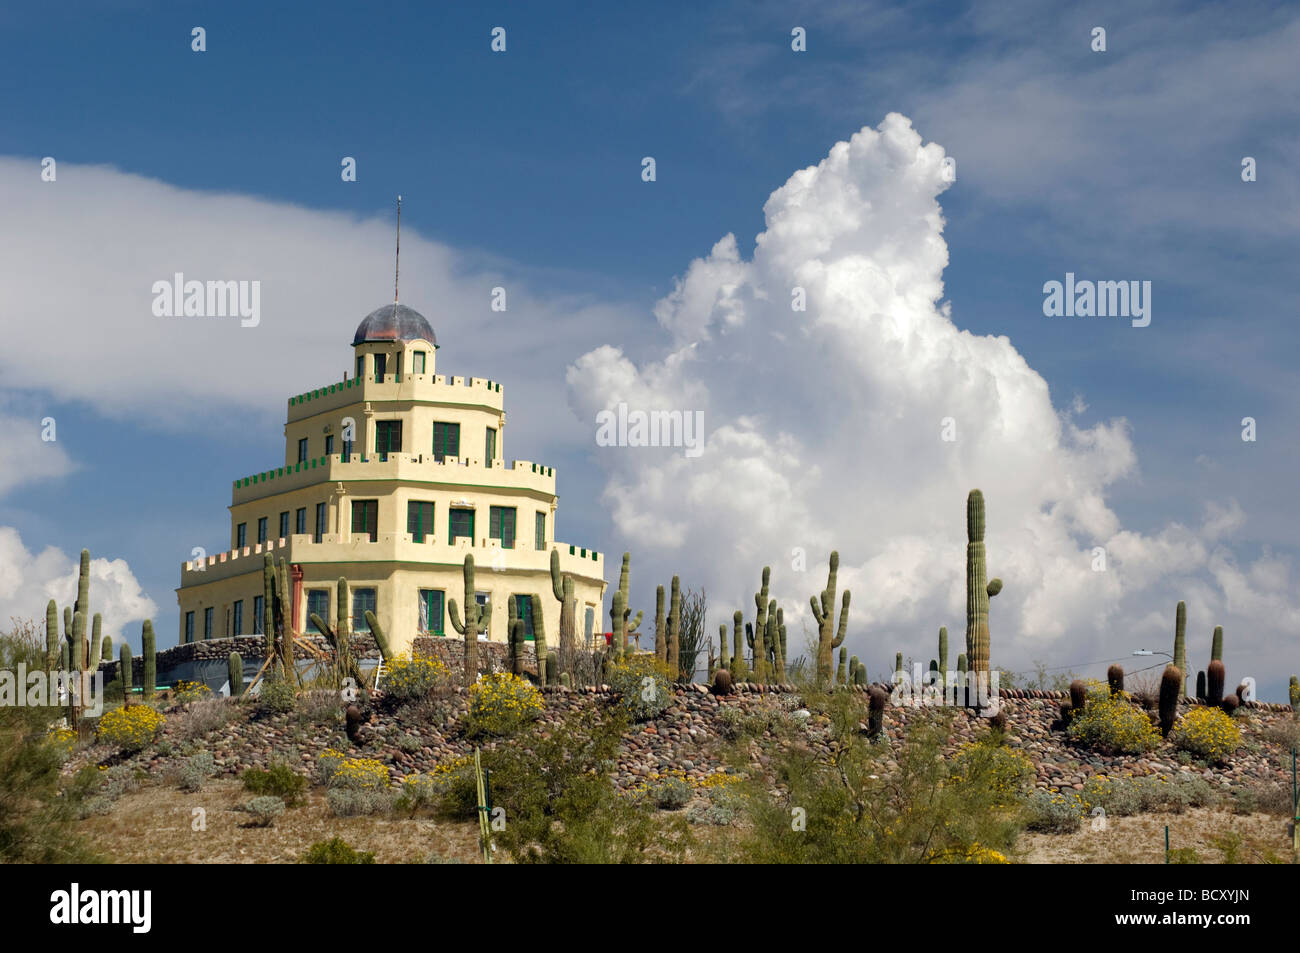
[(397, 258)]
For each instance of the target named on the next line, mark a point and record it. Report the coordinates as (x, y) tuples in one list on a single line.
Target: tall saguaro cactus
[(562, 588), (739, 671), (979, 589), (51, 635), (774, 641), (1180, 641), (515, 636), (475, 616), (150, 659), (235, 671), (661, 626), (675, 629), (547, 662), (340, 636), (1216, 646), (619, 612), (828, 638), (943, 655), (761, 670), (724, 658), (126, 672)]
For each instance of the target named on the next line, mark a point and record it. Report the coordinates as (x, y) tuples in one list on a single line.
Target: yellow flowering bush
[(643, 684), (130, 728), (1111, 724), (1207, 733), (406, 677), (974, 853), (362, 774), (501, 703), (185, 692), (1000, 772)]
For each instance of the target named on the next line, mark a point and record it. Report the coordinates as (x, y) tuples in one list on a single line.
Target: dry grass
[(153, 826), (1141, 839)]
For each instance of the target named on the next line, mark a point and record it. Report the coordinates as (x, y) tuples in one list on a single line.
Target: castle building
[(390, 477)]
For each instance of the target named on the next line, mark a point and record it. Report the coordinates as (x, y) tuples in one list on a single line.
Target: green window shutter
[(525, 606), (432, 602), (539, 527)]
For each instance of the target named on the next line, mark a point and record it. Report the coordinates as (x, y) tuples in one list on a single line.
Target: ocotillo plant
[(1215, 676), (469, 627), (1216, 645), (1171, 687), (150, 659), (126, 672), (545, 670), (235, 669), (943, 655), (675, 629), (51, 635), (978, 591), (661, 630), (1115, 679), (739, 672), (1180, 641), (828, 638)]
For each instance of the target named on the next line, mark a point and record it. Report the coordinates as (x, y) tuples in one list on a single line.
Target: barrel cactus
[(722, 684), (878, 700), (1215, 676), (1115, 679)]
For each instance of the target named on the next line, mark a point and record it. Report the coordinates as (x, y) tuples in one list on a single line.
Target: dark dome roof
[(394, 322)]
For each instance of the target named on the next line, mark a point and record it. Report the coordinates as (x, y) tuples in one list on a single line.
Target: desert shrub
[(278, 780), (1198, 791), (130, 729), (320, 706), (202, 717), (1052, 812), (185, 692), (1158, 793), (730, 721), (1003, 774), (328, 763), (264, 810), (336, 851), (500, 704), (643, 685), (1118, 797), (1184, 855), (358, 802), (1245, 801), (1274, 798), (669, 793), (726, 802), (1207, 733), (194, 770), (276, 696), (409, 743), (410, 677), (1110, 724), (1285, 734)]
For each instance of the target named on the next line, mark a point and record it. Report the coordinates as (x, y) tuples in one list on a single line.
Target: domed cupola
[(394, 322)]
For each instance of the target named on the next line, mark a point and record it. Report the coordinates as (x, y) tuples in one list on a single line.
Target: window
[(381, 367), (419, 520), (321, 514), (241, 535), (259, 613), (524, 605), (460, 523), (590, 623), (417, 362), (539, 531), (501, 525), (284, 524), (261, 529), (207, 622), (361, 366), (363, 601), (318, 603), (237, 620), (300, 520), (388, 436), (329, 444), (490, 447), (365, 518), (189, 627), (482, 599), (446, 441), (302, 450), (432, 602)]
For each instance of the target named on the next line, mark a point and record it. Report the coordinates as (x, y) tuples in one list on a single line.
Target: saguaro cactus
[(773, 642), (1216, 646), (674, 658), (943, 655), (828, 638), (978, 591), (1171, 686), (739, 672), (125, 672), (761, 671), (724, 659), (619, 612), (150, 659), (562, 589), (515, 636), (96, 640), (268, 603), (475, 616), (841, 672), (1293, 690), (661, 630), (106, 649), (545, 669), (898, 662), (340, 636), (860, 674), (1180, 640), (51, 634), (235, 669), (381, 639)]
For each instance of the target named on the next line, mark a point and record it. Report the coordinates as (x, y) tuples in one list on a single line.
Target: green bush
[(278, 780), (264, 810), (1112, 725), (500, 704), (358, 802), (669, 793), (336, 851), (195, 770), (276, 696), (1052, 813), (644, 686), (725, 805)]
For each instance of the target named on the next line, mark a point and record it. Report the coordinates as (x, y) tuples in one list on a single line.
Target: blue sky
[(526, 164)]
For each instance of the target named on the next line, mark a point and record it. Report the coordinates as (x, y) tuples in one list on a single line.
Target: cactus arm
[(844, 621), (381, 639), (557, 578)]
